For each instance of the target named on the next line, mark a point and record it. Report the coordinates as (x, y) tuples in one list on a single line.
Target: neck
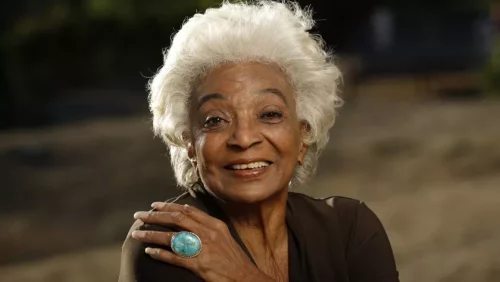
[(262, 225)]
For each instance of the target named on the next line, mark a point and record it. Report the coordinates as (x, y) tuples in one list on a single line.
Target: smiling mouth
[(249, 166)]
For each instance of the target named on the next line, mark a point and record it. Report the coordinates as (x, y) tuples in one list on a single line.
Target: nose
[(245, 134)]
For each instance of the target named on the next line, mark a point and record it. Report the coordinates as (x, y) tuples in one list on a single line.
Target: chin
[(249, 193)]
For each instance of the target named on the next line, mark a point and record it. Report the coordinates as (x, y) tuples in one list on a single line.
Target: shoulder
[(331, 200), (342, 206), (354, 219), (136, 266), (361, 233), (349, 211)]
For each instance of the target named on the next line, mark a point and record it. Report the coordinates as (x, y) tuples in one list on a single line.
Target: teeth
[(250, 165)]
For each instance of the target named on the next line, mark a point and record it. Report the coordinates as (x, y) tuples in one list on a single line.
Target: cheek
[(286, 140), (208, 149)]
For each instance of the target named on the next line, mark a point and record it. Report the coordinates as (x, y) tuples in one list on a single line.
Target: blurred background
[(418, 139)]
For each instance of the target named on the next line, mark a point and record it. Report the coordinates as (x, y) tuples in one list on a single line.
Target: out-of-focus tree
[(442, 7), (51, 46), (493, 70), (134, 10), (492, 73)]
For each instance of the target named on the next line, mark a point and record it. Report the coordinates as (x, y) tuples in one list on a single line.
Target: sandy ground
[(430, 170)]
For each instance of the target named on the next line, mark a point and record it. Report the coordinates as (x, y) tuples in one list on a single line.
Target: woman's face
[(246, 137)]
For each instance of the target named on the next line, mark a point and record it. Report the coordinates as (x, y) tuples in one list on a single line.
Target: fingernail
[(157, 205), (151, 251), (137, 234), (138, 215)]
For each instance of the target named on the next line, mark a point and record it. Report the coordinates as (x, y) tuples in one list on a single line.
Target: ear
[(304, 128), (190, 151), (189, 145)]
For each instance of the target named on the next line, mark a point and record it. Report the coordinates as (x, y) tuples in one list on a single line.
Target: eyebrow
[(275, 91), (205, 98)]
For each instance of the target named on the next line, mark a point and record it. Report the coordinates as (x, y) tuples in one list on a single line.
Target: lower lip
[(248, 173)]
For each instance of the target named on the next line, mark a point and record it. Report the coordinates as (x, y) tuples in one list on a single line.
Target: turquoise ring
[(186, 244)]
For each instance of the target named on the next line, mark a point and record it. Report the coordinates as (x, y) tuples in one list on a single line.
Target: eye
[(213, 122), (271, 116)]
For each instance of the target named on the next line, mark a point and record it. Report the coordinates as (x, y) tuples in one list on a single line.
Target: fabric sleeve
[(368, 253), (137, 266)]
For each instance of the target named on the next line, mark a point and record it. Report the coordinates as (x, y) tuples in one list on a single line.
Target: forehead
[(250, 77)]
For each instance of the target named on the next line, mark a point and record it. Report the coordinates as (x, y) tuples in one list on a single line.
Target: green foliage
[(492, 71), (98, 32), (441, 7), (133, 10), (49, 47)]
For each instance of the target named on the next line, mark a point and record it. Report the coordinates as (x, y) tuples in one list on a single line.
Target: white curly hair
[(268, 32)]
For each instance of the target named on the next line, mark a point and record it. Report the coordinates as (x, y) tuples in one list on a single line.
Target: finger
[(191, 211), (169, 257), (153, 237), (178, 219)]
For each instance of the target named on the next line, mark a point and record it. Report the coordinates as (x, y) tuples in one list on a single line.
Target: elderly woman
[(244, 102)]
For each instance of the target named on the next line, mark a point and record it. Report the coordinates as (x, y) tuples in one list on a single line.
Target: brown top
[(335, 239)]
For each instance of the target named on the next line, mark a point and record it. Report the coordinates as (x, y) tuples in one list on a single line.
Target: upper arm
[(369, 254), (137, 266)]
